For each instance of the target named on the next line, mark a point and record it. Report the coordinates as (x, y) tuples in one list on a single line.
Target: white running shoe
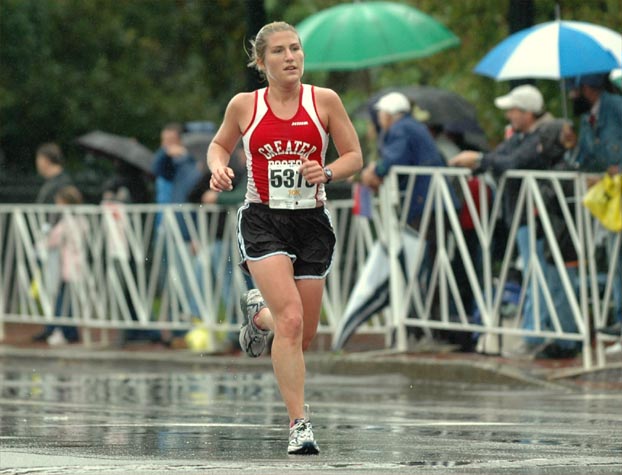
[(253, 340), (301, 439)]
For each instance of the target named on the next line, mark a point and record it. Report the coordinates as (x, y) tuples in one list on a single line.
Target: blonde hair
[(69, 195), (260, 43)]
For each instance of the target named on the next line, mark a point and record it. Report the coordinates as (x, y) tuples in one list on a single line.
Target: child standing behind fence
[(68, 236)]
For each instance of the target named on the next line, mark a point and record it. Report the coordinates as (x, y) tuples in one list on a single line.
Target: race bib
[(288, 188)]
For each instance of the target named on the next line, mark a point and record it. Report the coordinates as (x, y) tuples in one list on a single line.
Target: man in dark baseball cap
[(599, 150)]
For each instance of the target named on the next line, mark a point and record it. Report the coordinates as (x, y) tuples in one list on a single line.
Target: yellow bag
[(604, 200), (35, 285)]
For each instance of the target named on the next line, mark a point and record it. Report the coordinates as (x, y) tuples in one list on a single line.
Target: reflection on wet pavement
[(153, 418)]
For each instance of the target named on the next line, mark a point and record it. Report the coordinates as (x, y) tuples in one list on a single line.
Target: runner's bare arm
[(334, 116), (237, 116)]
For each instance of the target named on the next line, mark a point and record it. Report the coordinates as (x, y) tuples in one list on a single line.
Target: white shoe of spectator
[(614, 349), (57, 338), (523, 351)]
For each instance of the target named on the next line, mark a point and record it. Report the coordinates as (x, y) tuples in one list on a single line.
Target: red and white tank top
[(274, 149)]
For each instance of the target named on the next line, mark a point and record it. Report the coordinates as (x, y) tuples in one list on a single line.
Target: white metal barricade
[(602, 280), (168, 267), (149, 266), (412, 298)]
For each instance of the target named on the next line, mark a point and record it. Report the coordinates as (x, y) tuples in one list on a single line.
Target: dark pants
[(133, 334), (70, 332)]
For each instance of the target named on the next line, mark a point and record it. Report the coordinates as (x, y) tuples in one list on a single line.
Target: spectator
[(49, 163), (203, 194), (599, 150), (599, 146), (406, 141), (68, 235), (451, 141), (524, 109), (176, 173), (444, 142), (552, 143), (174, 168), (471, 239), (127, 186)]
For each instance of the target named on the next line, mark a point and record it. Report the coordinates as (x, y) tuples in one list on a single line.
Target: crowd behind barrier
[(142, 272)]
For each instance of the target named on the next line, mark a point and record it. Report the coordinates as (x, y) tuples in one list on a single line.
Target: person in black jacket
[(524, 109), (50, 165), (553, 140)]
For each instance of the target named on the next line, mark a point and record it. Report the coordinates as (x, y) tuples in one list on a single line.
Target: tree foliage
[(480, 25), (71, 66)]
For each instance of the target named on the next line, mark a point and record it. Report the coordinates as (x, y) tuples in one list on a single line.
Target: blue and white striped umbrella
[(554, 50)]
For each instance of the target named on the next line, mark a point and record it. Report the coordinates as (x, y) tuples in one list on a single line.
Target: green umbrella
[(364, 34)]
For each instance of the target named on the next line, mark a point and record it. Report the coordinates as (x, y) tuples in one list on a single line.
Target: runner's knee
[(289, 324)]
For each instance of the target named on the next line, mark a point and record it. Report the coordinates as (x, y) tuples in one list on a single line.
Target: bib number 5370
[(287, 178)]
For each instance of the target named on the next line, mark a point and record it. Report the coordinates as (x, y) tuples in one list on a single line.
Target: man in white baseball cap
[(526, 98), (524, 149), (524, 110), (598, 149), (404, 141), (393, 103)]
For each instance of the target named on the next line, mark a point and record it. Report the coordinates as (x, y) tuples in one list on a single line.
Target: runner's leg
[(311, 291), (274, 277)]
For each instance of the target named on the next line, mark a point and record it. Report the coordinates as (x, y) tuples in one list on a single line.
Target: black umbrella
[(436, 106), (371, 294), (123, 148)]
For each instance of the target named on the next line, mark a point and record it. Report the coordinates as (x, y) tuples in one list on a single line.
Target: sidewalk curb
[(421, 367), (432, 369)]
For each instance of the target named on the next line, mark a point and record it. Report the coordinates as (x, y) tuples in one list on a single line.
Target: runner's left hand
[(312, 171)]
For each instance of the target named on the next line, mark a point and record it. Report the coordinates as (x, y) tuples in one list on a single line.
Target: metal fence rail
[(148, 266), (434, 301), (169, 267)]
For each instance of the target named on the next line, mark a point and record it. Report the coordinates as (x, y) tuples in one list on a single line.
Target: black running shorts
[(305, 235)]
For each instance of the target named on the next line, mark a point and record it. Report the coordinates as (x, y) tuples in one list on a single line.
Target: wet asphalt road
[(71, 417)]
